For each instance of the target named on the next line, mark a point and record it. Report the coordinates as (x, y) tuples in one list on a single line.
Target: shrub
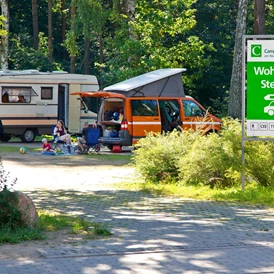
[(156, 157), (259, 162), (189, 157), (10, 216), (214, 159)]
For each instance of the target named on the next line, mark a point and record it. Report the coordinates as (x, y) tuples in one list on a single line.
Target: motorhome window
[(144, 107), (192, 109), (46, 93), (17, 94)]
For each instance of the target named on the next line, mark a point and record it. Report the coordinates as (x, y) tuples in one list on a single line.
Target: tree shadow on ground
[(187, 235), (143, 222)]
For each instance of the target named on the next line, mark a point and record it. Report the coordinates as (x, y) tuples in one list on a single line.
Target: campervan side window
[(144, 107), (17, 94), (46, 93)]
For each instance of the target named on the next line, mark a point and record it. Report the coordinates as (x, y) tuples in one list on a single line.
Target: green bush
[(156, 157), (10, 216), (189, 157), (259, 162), (214, 159)]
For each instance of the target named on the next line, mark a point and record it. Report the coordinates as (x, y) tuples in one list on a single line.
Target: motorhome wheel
[(28, 136)]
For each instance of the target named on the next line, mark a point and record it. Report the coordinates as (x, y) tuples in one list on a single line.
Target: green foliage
[(214, 159), (88, 22), (54, 222), (23, 56), (216, 24), (10, 216), (20, 234), (260, 162), (5, 181), (158, 37), (253, 194), (191, 158), (50, 222), (101, 230), (156, 157), (3, 32)]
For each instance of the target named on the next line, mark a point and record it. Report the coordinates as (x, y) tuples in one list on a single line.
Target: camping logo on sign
[(256, 50)]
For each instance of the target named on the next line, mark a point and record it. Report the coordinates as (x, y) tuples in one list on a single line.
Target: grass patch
[(53, 222), (20, 234), (110, 157), (253, 194), (9, 148), (12, 149)]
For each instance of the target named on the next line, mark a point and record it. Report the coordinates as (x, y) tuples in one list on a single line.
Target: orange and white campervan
[(152, 102)]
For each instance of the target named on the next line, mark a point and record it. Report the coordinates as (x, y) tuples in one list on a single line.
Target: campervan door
[(33, 101)]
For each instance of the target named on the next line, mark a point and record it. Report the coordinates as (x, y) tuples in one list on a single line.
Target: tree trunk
[(35, 24), (259, 17), (72, 57), (4, 45), (101, 60), (235, 93), (63, 27), (130, 6), (86, 56), (50, 32)]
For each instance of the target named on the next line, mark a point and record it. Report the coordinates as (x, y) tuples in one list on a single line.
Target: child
[(47, 149)]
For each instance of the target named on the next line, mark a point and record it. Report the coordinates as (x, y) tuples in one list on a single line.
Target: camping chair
[(57, 144), (92, 142)]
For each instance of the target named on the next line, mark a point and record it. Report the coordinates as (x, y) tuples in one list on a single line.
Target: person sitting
[(46, 148), (61, 133), (81, 141), (21, 99)]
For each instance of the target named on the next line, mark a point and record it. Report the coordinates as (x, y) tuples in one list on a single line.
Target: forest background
[(119, 39)]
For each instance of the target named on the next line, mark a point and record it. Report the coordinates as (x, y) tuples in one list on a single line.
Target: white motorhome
[(32, 102)]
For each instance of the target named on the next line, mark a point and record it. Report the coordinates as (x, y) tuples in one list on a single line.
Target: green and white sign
[(260, 88)]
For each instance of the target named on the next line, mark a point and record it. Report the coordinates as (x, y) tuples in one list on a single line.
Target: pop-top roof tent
[(157, 83)]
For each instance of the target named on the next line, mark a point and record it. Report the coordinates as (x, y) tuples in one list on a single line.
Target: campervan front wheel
[(28, 136)]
